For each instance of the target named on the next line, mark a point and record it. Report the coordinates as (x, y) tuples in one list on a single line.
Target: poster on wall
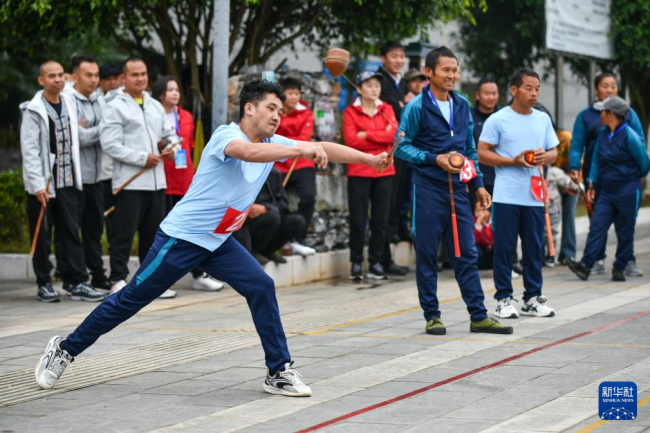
[(579, 27)]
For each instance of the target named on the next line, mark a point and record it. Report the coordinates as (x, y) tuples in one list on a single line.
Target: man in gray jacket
[(133, 124), (85, 72), (52, 177)]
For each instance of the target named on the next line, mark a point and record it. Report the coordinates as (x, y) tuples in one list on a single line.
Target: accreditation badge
[(180, 160)]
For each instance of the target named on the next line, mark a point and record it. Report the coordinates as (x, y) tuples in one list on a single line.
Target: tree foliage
[(174, 35), (510, 35)]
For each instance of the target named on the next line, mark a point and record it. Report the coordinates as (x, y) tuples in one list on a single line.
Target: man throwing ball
[(197, 233)]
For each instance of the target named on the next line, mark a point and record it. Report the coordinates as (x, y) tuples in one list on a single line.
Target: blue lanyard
[(619, 129), (451, 111), (178, 126)]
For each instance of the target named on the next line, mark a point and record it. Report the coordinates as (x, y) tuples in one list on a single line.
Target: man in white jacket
[(85, 72), (133, 123), (52, 176)]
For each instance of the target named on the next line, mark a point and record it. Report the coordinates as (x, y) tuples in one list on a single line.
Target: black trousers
[(92, 227), (170, 202), (109, 201), (135, 211), (364, 192), (396, 197), (63, 214), (303, 181), (269, 231)]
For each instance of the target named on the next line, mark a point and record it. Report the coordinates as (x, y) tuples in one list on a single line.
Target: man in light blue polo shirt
[(197, 233), (506, 137)]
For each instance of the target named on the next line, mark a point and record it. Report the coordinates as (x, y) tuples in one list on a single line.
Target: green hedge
[(14, 231)]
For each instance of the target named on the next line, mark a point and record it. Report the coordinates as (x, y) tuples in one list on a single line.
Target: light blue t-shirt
[(222, 191), (512, 133), (445, 108)]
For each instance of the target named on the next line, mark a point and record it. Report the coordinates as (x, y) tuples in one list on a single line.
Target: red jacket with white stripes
[(379, 135)]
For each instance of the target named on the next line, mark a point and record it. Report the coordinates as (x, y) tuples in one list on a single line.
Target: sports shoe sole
[(512, 316), (357, 278), (49, 301), (436, 331), (82, 298), (504, 330), (39, 364), (376, 277), (278, 391), (524, 313)]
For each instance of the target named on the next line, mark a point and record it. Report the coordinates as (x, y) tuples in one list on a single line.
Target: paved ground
[(195, 364)]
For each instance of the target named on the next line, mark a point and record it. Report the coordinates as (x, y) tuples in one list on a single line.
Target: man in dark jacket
[(269, 224), (393, 90)]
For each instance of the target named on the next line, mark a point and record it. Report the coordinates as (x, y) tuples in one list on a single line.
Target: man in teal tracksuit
[(619, 163), (437, 123), (583, 142)]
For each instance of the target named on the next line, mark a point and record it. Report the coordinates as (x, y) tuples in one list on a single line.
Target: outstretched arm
[(270, 152), (340, 153)]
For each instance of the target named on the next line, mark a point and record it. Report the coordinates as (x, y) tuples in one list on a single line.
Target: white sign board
[(579, 27)]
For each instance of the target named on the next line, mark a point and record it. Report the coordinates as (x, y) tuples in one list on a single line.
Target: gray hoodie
[(35, 144), (129, 133), (90, 149)]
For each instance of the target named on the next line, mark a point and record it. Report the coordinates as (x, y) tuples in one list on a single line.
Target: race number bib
[(468, 172), (232, 221), (538, 189)]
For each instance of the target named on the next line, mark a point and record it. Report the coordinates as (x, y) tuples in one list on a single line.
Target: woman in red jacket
[(297, 123), (367, 127), (180, 171)]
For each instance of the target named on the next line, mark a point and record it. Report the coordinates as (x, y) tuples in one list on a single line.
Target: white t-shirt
[(222, 191)]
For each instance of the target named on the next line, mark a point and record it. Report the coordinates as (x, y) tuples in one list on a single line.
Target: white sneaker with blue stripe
[(286, 382)]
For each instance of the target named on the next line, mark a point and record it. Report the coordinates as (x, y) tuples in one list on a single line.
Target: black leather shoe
[(394, 269), (618, 274), (276, 258), (578, 268)]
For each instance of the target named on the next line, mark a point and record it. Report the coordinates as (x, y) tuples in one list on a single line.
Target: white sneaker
[(505, 309), (599, 268), (52, 364), (206, 283), (117, 286), (631, 269), (537, 307), (302, 250), (286, 382), (169, 293)]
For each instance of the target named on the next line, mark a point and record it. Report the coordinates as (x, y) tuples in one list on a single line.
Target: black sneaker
[(618, 274), (356, 273), (376, 272), (578, 268), (549, 262), (276, 258), (516, 267), (393, 269), (46, 293), (102, 285), (85, 292), (68, 287), (260, 259)]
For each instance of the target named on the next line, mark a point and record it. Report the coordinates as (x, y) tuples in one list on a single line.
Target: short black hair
[(256, 91), (291, 83), (517, 78), (601, 77), (485, 80), (78, 60), (160, 86), (128, 60), (389, 46), (434, 56)]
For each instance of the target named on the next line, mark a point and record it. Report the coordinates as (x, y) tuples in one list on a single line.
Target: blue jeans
[(168, 260)]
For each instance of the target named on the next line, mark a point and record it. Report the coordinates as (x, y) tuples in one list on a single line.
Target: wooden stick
[(394, 148), (454, 224), (549, 232), (117, 191), (40, 220), (288, 176)]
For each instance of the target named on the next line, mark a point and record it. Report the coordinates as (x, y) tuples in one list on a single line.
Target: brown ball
[(337, 61), (456, 160)]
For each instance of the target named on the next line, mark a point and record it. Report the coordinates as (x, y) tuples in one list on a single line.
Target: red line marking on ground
[(467, 374)]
